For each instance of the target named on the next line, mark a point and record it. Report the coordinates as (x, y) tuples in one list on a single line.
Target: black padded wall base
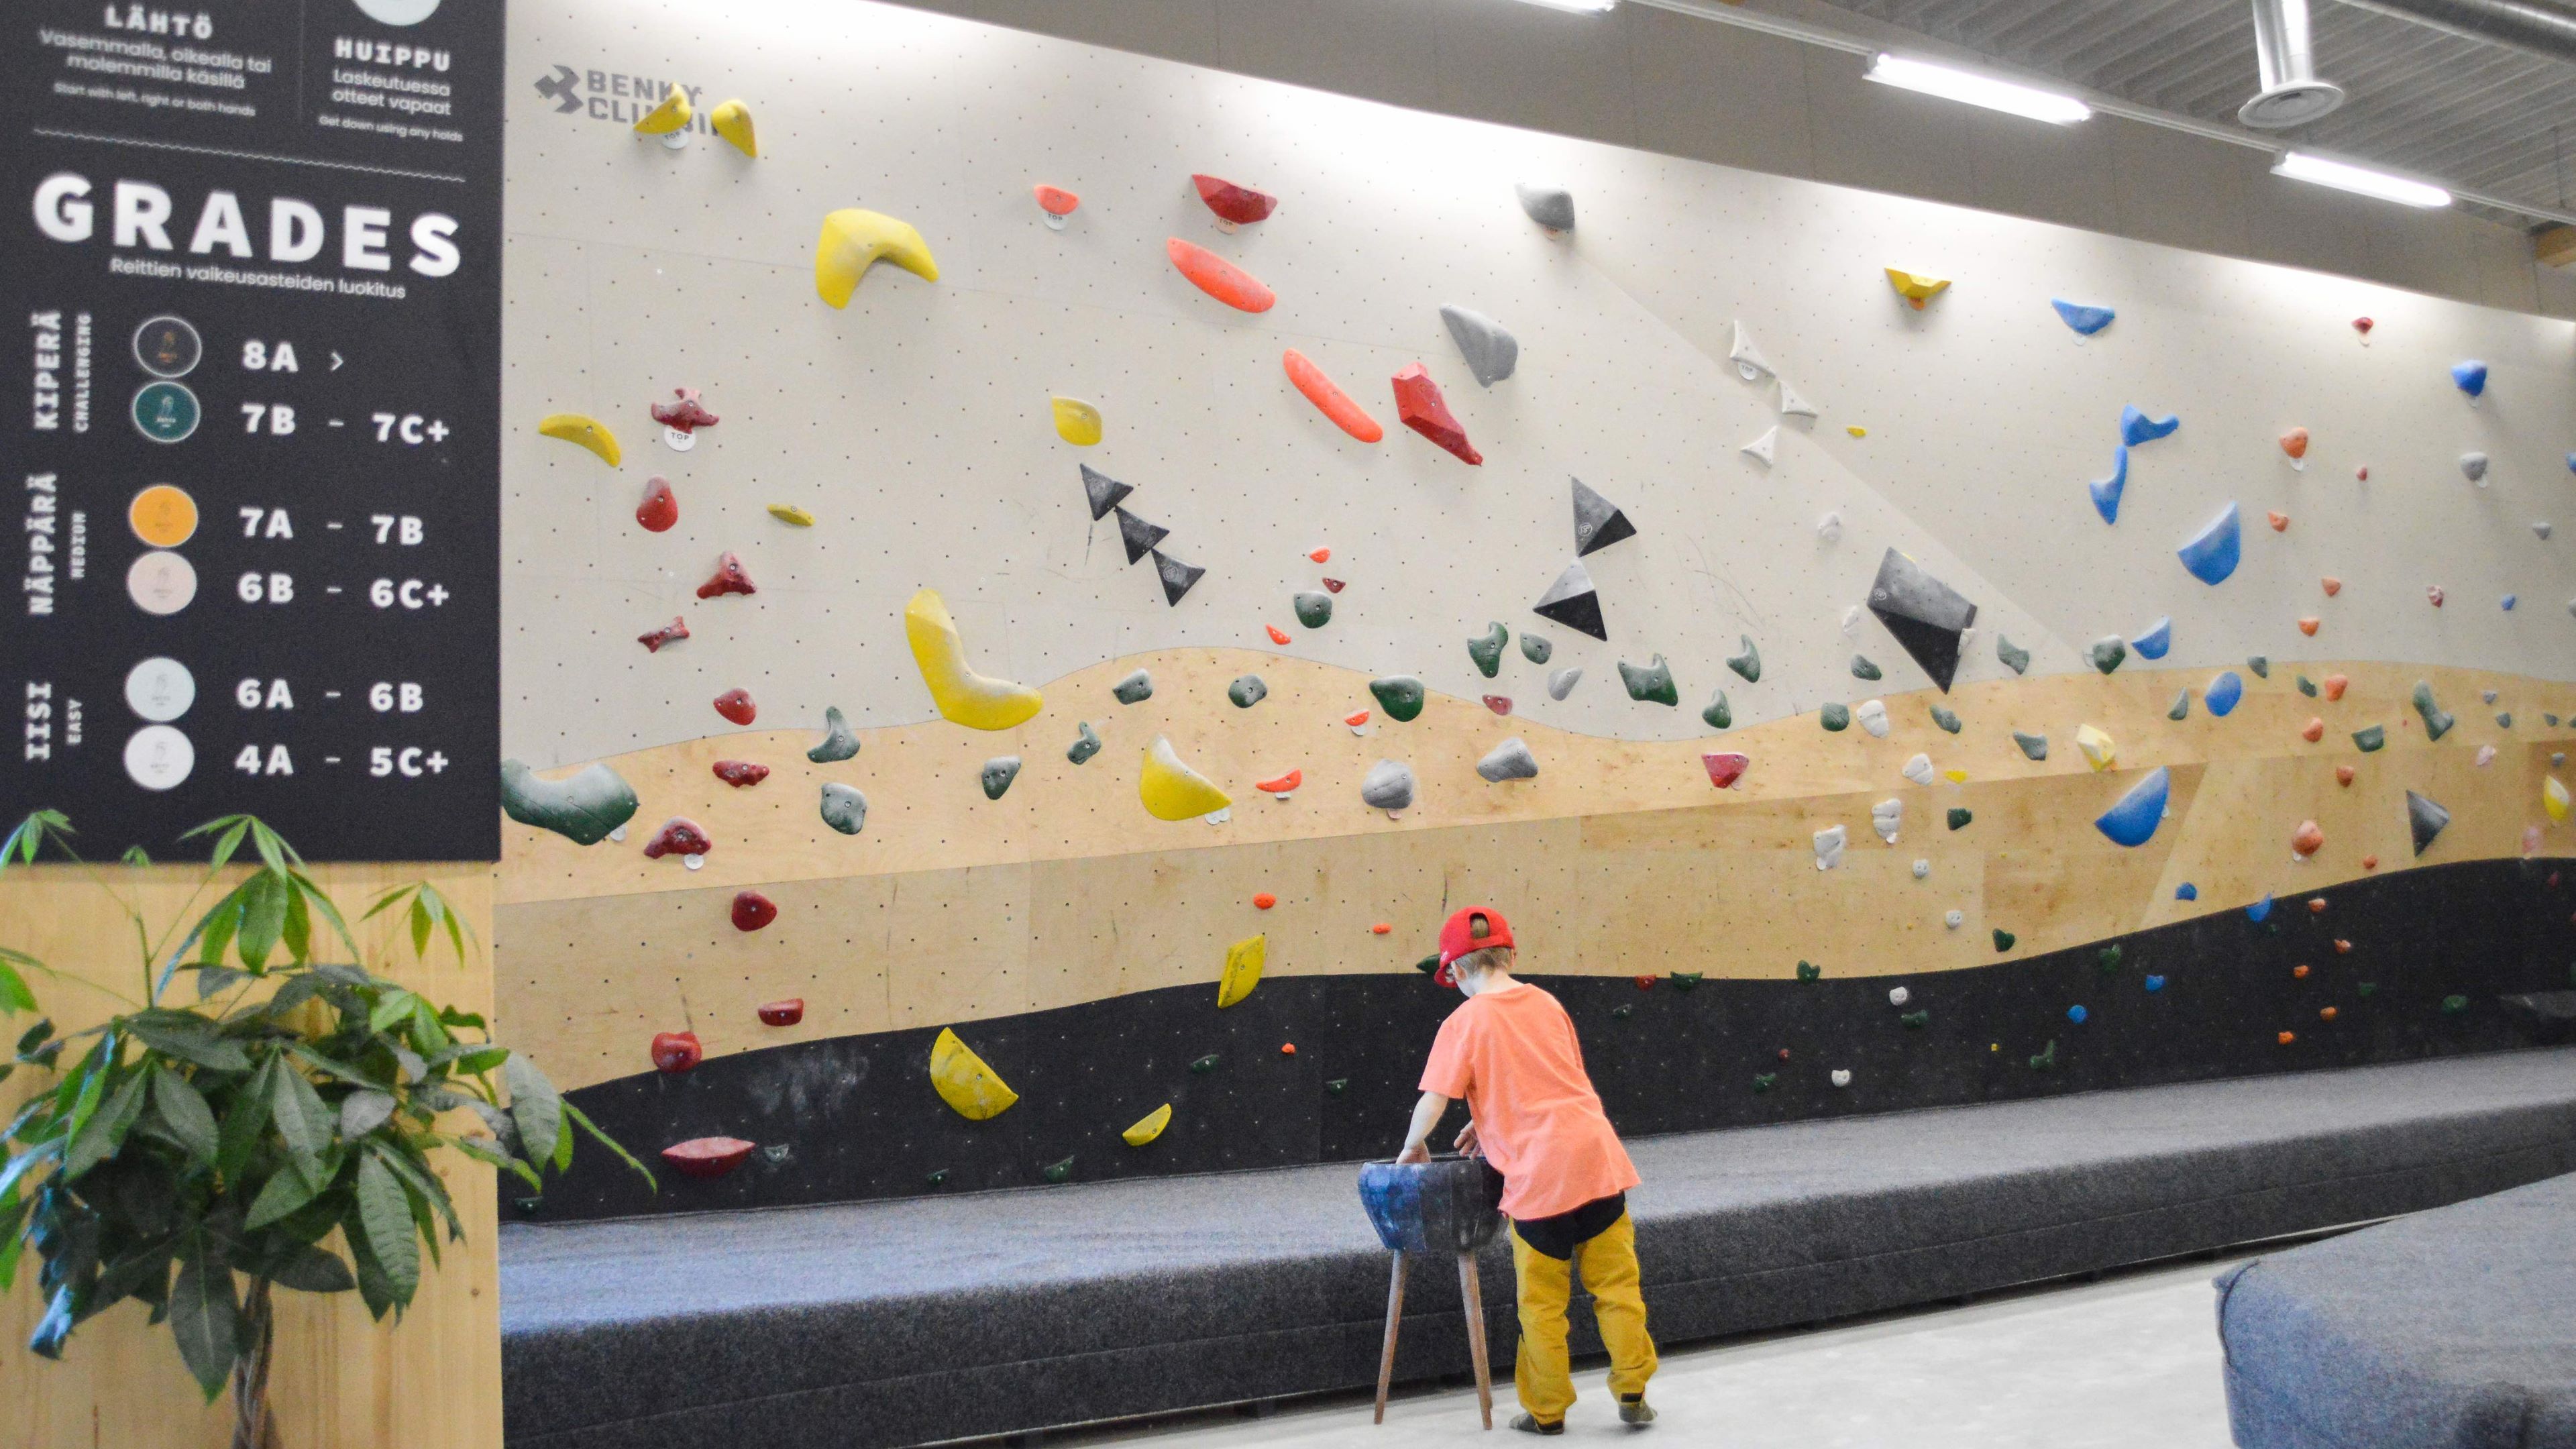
[(855, 1117)]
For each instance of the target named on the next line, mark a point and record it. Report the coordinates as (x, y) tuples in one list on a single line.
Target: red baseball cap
[(1473, 929)]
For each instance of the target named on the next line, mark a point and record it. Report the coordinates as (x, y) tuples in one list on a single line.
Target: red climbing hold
[(1725, 770), (1238, 204), (2433, 593), (2370, 862), (1287, 1049), (1334, 586), (660, 508), (672, 632), (2331, 585), (1283, 784), (729, 578), (684, 414), (1277, 634), (782, 1013), (2343, 774), (1784, 1054), (2307, 840), (2280, 521), (2361, 474), (739, 773), (679, 835), (752, 910), (2314, 731), (2308, 625), (1055, 200), (675, 1052), (736, 705), (707, 1156), (1419, 405), (1499, 703), (1264, 901), (1321, 555), (1646, 982), (2316, 905), (2363, 325)]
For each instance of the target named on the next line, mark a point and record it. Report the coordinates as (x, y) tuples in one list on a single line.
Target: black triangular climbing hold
[(1572, 602), (1178, 577), (2424, 819), (1139, 536), (1598, 523), (1926, 615), (1104, 492)]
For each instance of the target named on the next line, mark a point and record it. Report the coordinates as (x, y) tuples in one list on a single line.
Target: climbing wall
[(1954, 606)]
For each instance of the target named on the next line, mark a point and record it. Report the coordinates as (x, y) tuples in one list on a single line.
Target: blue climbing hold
[(2510, 600), (2076, 1014), (2212, 553), (2223, 693), (2136, 427), (2155, 983), (2107, 491), (2260, 910), (2085, 320), (2186, 892), (2132, 819), (2155, 640), (2471, 377), (2571, 462)]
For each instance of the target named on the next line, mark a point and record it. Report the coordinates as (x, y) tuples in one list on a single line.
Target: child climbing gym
[(1266, 724)]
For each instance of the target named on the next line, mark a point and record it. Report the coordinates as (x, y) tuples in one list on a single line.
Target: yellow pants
[(1608, 1263)]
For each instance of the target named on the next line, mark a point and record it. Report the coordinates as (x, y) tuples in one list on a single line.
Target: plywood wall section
[(341, 1380)]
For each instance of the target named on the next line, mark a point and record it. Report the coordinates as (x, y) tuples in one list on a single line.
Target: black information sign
[(252, 249)]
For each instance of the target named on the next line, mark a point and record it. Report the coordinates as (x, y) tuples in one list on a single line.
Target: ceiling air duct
[(2542, 27), (2285, 58)]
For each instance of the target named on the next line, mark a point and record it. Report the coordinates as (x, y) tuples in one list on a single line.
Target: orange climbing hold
[(2300, 971), (2325, 1013), (1055, 200), (1264, 901), (1284, 784), (1320, 555), (2308, 625), (2332, 585), (2316, 905), (1277, 634), (2307, 839), (2336, 684), (2280, 521), (1333, 403), (1380, 929), (1356, 718), (2370, 862), (2287, 1037), (2315, 730), (2343, 774), (1219, 278), (2295, 443), (1287, 1049), (2342, 947), (1419, 406)]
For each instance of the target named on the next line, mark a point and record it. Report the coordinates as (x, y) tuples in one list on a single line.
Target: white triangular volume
[(1792, 405), (1763, 447), (1748, 359)]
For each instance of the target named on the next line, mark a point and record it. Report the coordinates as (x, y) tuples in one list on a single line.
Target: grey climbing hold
[(1247, 691), (1536, 647), (2260, 664), (2370, 739), (582, 809), (2181, 706), (1572, 601), (1748, 663), (1389, 786), (1861, 668), (2504, 719), (2033, 746), (1400, 695), (1136, 688), (844, 808), (1510, 760), (2424, 820), (2487, 695), (1947, 720), (1562, 682), (2107, 652), (1835, 718), (2015, 658), (2473, 466), (1138, 535), (1651, 682), (1550, 206), (1598, 523), (2307, 686), (1928, 617), (1103, 491), (1314, 608), (1490, 351), (1717, 715), (840, 742), (2437, 720), (999, 772), (1487, 648), (1178, 578), (1083, 748)]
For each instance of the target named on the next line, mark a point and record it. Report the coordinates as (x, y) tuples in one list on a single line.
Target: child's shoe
[(1531, 1424), (1633, 1409)]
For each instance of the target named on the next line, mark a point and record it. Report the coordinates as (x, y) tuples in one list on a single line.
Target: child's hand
[(1467, 1144), (1415, 1152)]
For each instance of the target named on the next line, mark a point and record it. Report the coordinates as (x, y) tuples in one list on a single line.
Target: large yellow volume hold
[(853, 240), (1174, 791), (2553, 798), (590, 432), (965, 1082), (1149, 1126), (1076, 421), (1915, 287), (672, 115), (732, 121), (1243, 962), (963, 696)]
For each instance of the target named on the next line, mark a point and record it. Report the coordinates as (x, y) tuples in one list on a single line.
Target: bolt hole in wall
[(987, 437)]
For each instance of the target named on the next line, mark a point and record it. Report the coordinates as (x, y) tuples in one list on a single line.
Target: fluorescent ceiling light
[(2343, 176), (1583, 7), (1977, 90)]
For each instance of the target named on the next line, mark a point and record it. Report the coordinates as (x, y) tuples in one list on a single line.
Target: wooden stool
[(1471, 1293)]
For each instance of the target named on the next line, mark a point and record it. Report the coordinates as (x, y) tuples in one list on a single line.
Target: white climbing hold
[(1792, 405), (1552, 207), (2486, 756), (1491, 352), (1898, 996), (2473, 466), (1829, 846), (1851, 622), (1748, 359), (1885, 817), (1765, 446), (1842, 1077), (1562, 682), (1922, 868), (1919, 769), (1829, 529), (1954, 919), (2540, 526), (619, 834), (1510, 760), (1872, 715), (1389, 786)]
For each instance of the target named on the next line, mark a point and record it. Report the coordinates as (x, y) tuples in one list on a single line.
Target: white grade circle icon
[(160, 689), (159, 757), (398, 12), (161, 582)]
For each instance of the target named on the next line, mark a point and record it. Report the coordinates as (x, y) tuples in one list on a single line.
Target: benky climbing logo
[(619, 98)]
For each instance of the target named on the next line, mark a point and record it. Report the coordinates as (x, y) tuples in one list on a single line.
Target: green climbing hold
[(1337, 1086), (2004, 939), (938, 1178), (1945, 719), (582, 809), (1650, 683), (1314, 608), (2032, 746), (1916, 1020), (1684, 980), (1809, 971), (527, 1206), (1204, 1065), (1400, 695), (2107, 653), (1748, 663), (1717, 715), (840, 742), (1762, 1081), (2015, 658), (2454, 1005), (2046, 1060), (1862, 668), (1487, 648), (2371, 739), (1428, 965), (1247, 691), (2437, 720), (1058, 1171), (2261, 666), (1835, 718), (2307, 686), (2365, 988), (999, 772), (1959, 817), (1136, 688), (1535, 647), (1622, 1013), (1085, 747), (2108, 958), (2181, 706)]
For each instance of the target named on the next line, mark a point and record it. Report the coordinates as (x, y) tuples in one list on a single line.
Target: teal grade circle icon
[(165, 412)]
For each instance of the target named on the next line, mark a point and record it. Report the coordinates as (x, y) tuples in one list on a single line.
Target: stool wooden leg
[(1472, 1292), (1394, 1320)]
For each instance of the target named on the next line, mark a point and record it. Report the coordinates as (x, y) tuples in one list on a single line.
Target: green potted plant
[(197, 1158)]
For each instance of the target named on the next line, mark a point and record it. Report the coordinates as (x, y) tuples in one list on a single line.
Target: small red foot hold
[(1726, 769), (1238, 204), (2343, 774), (2280, 521), (1277, 634), (752, 910), (679, 835), (2307, 839), (736, 705), (1499, 703), (1646, 982), (2308, 625), (2363, 325), (782, 1013), (675, 1052), (685, 414), (1264, 901), (2370, 862), (660, 508), (707, 1157), (2314, 731), (2316, 905), (1419, 404), (1334, 586), (671, 633), (1283, 785), (729, 579), (739, 773), (2433, 595)]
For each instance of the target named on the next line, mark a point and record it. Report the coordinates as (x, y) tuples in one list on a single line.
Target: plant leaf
[(204, 1317), (245, 1122), (14, 995), (393, 1006), (480, 1150), (582, 1119), (26, 1162), (13, 1212), (320, 901), (190, 1038), (96, 1139), (313, 1270), (183, 1110), (363, 1112), (331, 1067), (383, 1214), (420, 924), (535, 1106), (263, 919), (424, 1184), (286, 1190), (296, 1110)]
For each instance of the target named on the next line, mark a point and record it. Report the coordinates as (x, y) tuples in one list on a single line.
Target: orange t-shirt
[(1513, 1056)]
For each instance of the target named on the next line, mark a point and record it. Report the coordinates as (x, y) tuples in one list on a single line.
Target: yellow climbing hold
[(1856, 430), (672, 115), (1955, 777), (1915, 287), (1149, 1126), (1076, 421), (963, 696), (590, 432), (2096, 745), (1243, 962), (853, 240), (2553, 798), (965, 1082), (789, 513), (1174, 791), (732, 121)]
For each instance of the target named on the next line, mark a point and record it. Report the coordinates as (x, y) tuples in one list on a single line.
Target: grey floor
[(2128, 1363)]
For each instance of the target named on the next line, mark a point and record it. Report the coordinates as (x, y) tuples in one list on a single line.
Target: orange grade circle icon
[(163, 516)]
